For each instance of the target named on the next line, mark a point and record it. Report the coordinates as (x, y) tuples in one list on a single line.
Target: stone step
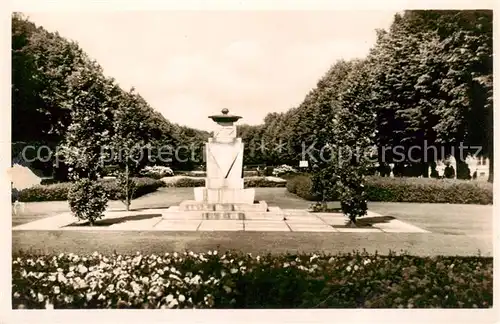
[(201, 206), (214, 215)]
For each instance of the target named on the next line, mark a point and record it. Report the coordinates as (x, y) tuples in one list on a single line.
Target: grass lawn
[(455, 230)]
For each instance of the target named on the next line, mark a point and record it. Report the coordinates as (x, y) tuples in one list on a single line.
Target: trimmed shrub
[(87, 200), (417, 190), (59, 191), (187, 182), (233, 280), (53, 192), (262, 182)]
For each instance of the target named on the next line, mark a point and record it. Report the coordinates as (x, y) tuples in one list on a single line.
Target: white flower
[(286, 265), (313, 257), (182, 298), (195, 280), (40, 297), (173, 303), (89, 295), (191, 253), (356, 267), (95, 254), (215, 252), (169, 298), (82, 269), (175, 255), (135, 287), (145, 280), (52, 278), (57, 290), (209, 252), (367, 261), (348, 268), (452, 265), (61, 278), (101, 297), (233, 270), (48, 305)]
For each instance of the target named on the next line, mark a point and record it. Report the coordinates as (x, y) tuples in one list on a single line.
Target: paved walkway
[(439, 229), (276, 220)]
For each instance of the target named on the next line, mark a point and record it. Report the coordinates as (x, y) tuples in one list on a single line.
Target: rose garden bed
[(233, 280)]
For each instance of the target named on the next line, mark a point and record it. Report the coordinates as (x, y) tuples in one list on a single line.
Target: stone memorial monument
[(224, 195), (224, 156)]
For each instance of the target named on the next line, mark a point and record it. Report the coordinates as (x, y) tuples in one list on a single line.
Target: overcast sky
[(189, 65)]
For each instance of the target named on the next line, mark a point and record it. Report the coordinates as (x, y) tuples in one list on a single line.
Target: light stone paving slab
[(49, 223), (137, 225), (301, 227), (266, 226), (333, 219), (221, 225), (305, 220), (269, 216), (295, 212), (177, 225), (358, 230), (397, 226)]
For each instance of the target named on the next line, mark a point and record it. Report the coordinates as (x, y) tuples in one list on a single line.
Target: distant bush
[(268, 171), (251, 173), (249, 182), (282, 170), (262, 182), (418, 190), (59, 191), (156, 172), (187, 182)]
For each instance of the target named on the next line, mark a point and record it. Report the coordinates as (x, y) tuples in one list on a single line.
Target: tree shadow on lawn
[(115, 220), (366, 222)]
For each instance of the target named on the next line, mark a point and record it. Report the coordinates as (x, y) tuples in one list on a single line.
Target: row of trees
[(427, 82), (51, 76)]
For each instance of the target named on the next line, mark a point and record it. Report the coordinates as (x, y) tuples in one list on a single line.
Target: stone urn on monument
[(224, 195)]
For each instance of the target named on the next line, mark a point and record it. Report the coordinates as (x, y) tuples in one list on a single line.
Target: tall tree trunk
[(490, 158), (127, 199)]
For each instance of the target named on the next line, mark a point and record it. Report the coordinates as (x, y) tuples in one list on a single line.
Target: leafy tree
[(130, 139)]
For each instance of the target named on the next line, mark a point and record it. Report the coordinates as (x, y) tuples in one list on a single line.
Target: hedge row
[(231, 280), (59, 191), (250, 182), (417, 190)]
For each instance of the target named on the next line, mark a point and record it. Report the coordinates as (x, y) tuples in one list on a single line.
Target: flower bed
[(418, 190), (59, 191), (231, 280)]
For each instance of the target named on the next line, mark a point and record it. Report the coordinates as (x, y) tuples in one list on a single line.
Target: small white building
[(480, 165)]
